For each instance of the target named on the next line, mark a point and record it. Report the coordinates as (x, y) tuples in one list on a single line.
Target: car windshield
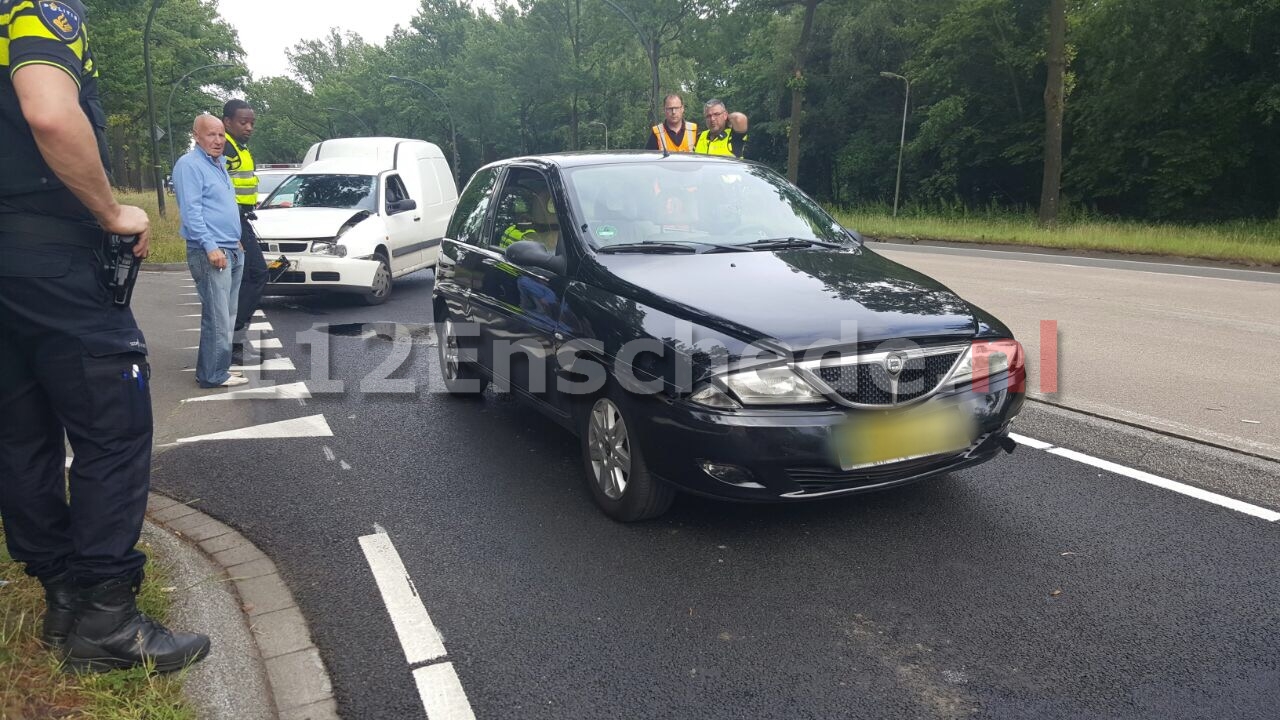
[(351, 192), (270, 181), (709, 203)]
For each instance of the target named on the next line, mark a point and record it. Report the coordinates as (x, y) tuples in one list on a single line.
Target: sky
[(268, 27)]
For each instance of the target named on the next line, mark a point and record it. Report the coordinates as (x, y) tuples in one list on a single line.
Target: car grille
[(816, 479), (290, 276), (869, 383), (293, 247)]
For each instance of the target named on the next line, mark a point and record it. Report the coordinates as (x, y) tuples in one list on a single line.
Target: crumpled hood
[(310, 223)]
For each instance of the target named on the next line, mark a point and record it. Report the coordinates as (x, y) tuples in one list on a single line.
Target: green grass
[(166, 245), (32, 685), (1252, 242)]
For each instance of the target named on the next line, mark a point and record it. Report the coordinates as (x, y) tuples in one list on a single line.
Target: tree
[(1054, 92)]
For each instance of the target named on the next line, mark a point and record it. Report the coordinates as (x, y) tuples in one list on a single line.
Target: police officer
[(70, 360), (726, 132), (238, 118)]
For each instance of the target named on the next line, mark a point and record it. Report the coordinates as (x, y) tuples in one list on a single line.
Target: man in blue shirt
[(211, 227)]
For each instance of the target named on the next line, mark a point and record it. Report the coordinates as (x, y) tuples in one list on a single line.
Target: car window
[(395, 191), (354, 192), (468, 216), (526, 210), (270, 181), (711, 202)]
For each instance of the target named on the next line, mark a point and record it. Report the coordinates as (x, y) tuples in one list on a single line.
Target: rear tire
[(381, 289), (617, 475), (461, 379)]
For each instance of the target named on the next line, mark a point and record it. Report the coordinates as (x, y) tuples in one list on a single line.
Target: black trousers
[(254, 280), (70, 361)]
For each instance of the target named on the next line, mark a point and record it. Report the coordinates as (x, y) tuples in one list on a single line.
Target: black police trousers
[(254, 280), (73, 362)]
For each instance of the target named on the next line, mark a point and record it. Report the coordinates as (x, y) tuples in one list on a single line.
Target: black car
[(702, 324)]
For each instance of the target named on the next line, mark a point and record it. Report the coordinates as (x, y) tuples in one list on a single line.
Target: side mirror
[(531, 253), (400, 206)]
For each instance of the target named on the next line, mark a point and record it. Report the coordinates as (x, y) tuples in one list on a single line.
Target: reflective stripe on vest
[(686, 142), (240, 168), (722, 146)]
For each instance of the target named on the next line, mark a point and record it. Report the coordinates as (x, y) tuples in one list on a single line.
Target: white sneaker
[(236, 373), (234, 380)]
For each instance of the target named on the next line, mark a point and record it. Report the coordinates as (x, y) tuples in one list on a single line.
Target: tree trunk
[(797, 91), (655, 104), (1054, 91)]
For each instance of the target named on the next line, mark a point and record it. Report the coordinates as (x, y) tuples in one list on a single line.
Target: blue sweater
[(210, 218)]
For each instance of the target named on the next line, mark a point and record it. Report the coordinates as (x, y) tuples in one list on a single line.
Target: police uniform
[(245, 181), (70, 359), (726, 143)]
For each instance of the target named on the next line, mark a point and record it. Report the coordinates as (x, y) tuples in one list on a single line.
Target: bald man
[(211, 227)]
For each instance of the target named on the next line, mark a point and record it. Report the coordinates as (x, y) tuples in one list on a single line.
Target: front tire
[(617, 474), (460, 378), (381, 289)]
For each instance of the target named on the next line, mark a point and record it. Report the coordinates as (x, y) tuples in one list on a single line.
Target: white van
[(359, 213)]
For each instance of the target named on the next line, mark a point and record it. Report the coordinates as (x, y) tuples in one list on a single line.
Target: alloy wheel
[(610, 448)]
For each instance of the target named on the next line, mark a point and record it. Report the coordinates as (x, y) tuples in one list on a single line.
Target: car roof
[(613, 157)]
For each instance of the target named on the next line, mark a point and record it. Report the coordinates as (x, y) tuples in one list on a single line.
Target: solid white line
[(441, 691), (418, 635), (291, 391), (1195, 492), (1030, 442), (955, 250), (313, 426), (260, 327), (268, 344)]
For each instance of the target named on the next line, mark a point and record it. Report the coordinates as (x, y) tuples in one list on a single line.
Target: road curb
[(297, 679)]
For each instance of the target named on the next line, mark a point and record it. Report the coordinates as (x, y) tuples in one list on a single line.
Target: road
[(1034, 586)]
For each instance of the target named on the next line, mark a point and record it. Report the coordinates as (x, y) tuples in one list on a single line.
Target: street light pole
[(357, 117), (168, 106), (606, 132), (903, 141), (151, 107), (453, 126)]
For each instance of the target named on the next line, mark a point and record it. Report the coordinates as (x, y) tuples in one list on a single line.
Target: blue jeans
[(218, 290)]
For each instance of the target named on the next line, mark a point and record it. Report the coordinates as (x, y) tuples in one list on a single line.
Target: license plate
[(278, 264), (879, 439)]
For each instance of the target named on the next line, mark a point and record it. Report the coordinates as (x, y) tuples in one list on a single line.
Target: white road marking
[(1030, 442), (268, 364), (441, 691), (418, 635), (275, 392), (1195, 492), (187, 286), (268, 344), (196, 315), (344, 464), (189, 304), (328, 453), (189, 294), (259, 313), (259, 327), (313, 426)]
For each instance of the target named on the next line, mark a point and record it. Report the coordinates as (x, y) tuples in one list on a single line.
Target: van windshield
[(347, 192)]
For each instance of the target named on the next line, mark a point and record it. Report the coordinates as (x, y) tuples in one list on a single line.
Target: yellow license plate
[(878, 439), (276, 265)]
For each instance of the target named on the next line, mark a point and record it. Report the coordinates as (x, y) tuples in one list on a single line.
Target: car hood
[(806, 298), (302, 222)]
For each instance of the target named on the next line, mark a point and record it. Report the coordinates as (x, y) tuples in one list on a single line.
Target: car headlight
[(329, 247), (985, 358), (779, 385)]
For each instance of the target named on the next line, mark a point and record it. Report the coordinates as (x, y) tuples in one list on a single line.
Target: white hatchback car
[(270, 176)]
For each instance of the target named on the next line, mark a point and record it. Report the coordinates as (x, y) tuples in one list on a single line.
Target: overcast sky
[(268, 27)]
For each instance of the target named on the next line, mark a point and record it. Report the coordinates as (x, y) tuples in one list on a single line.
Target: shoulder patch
[(61, 19)]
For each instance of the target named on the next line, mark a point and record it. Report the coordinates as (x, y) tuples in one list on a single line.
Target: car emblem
[(894, 362)]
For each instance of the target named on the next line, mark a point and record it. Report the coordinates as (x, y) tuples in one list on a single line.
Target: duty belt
[(49, 229)]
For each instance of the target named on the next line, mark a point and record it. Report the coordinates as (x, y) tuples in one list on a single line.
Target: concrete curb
[(297, 679)]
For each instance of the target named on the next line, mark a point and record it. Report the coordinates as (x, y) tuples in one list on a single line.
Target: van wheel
[(381, 289), (460, 378), (619, 479)]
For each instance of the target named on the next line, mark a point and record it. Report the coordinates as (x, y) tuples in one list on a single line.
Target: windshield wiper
[(647, 246), (783, 243)]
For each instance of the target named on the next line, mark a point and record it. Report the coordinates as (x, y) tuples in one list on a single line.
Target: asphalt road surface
[(1034, 586)]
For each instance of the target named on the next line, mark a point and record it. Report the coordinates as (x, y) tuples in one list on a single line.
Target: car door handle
[(417, 219)]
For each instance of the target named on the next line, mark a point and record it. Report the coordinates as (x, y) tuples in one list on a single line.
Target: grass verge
[(167, 246), (1253, 242), (32, 685)]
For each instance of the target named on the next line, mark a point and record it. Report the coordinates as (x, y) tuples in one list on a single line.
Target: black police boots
[(110, 633), (60, 601)]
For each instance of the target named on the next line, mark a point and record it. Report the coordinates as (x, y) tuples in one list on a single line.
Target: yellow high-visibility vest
[(240, 167), (720, 146)]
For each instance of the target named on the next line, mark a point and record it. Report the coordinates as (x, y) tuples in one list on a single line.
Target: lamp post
[(903, 141), (151, 107), (453, 127), (357, 117), (606, 132), (168, 106), (650, 50)]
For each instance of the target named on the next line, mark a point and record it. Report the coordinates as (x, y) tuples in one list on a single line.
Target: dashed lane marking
[(259, 327), (267, 344), (1146, 477), (291, 391), (419, 638), (312, 426)]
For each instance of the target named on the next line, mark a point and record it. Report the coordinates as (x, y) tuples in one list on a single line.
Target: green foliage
[(1172, 106)]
